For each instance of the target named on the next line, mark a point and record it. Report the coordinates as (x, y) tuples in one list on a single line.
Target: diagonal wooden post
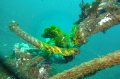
[(89, 67)]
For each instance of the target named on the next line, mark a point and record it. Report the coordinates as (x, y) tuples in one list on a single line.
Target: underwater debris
[(43, 46), (25, 63), (97, 64), (62, 43), (91, 25), (96, 21), (97, 8)]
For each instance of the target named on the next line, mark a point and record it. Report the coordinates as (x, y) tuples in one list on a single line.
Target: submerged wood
[(90, 67), (86, 28)]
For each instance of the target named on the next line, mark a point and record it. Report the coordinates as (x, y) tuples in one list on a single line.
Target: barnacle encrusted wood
[(90, 67), (97, 22)]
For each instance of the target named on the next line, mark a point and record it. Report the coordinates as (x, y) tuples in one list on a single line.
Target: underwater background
[(35, 15)]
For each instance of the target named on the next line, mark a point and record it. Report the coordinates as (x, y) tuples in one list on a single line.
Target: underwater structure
[(32, 62)]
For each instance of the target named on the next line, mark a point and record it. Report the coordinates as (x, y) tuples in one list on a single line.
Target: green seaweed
[(51, 32), (58, 37)]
